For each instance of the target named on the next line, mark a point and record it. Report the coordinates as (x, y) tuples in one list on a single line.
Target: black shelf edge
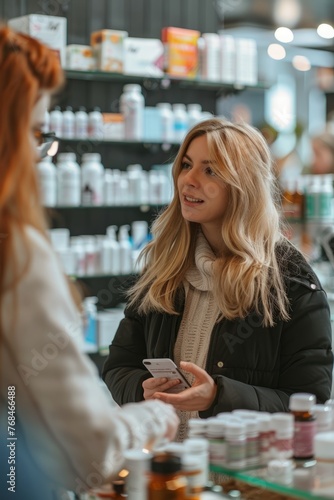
[(165, 80), (144, 143)]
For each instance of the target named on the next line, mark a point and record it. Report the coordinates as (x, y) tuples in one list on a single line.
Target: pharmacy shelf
[(317, 487), (163, 81), (147, 142), (121, 278), (142, 208)]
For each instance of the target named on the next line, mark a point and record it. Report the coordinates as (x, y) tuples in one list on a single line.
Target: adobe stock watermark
[(224, 6), (246, 327), (116, 289), (101, 472), (244, 330), (54, 344), (53, 7)]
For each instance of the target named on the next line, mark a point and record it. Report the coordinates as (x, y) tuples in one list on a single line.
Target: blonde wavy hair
[(247, 277)]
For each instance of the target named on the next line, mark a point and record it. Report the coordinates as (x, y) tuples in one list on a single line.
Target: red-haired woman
[(60, 423)]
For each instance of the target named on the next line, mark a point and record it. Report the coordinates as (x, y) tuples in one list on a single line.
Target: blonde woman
[(223, 293)]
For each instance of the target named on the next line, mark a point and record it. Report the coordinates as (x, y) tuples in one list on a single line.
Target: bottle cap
[(132, 86), (252, 425), (197, 423), (301, 401), (196, 444), (66, 157), (244, 413), (173, 448), (280, 471), (283, 425), (179, 106), (91, 157), (235, 429), (264, 422), (216, 427), (194, 107), (166, 463), (324, 445), (323, 415), (164, 105)]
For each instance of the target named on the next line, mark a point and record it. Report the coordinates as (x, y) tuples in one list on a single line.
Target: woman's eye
[(185, 165), (209, 171)]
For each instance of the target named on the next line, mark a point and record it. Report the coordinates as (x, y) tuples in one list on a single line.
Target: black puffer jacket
[(254, 367)]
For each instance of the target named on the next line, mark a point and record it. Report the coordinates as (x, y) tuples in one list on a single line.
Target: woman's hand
[(153, 385), (198, 397)]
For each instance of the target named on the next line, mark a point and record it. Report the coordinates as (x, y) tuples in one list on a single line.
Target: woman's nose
[(191, 178)]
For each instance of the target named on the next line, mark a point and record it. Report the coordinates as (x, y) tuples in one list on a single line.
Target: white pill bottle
[(132, 107)]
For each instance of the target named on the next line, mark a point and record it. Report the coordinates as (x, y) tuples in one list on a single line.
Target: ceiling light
[(301, 63), (276, 51), (325, 30), (284, 35), (287, 12)]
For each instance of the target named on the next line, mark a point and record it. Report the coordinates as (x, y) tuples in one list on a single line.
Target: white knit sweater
[(199, 317)]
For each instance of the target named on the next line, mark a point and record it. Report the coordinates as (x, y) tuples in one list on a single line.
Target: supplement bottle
[(199, 447), (137, 462), (92, 177), (281, 445), (95, 124), (68, 125), (194, 114), (167, 121), (301, 405), (324, 455), (47, 176), (235, 452), (166, 480), (132, 107), (211, 57), (216, 436), (180, 122), (323, 418), (56, 121), (81, 123), (69, 193)]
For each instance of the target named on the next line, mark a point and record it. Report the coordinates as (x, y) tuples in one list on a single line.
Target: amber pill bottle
[(301, 407), (166, 480)]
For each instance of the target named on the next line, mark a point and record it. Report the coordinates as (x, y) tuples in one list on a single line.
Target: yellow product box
[(113, 126), (80, 57), (181, 53), (108, 47)]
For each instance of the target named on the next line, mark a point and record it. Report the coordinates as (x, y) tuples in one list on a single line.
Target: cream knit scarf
[(199, 317)]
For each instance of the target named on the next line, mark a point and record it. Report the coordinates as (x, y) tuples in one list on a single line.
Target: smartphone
[(165, 367)]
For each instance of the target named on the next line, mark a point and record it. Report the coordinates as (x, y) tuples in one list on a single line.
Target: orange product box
[(108, 47), (181, 53), (113, 126)]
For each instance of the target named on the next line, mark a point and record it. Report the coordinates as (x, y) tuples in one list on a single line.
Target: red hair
[(27, 68)]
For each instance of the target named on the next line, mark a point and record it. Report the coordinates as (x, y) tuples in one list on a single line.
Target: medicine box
[(181, 53), (80, 57), (108, 47), (113, 126), (51, 30), (152, 124), (143, 56)]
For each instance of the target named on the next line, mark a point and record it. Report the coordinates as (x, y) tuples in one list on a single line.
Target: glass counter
[(309, 480)]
